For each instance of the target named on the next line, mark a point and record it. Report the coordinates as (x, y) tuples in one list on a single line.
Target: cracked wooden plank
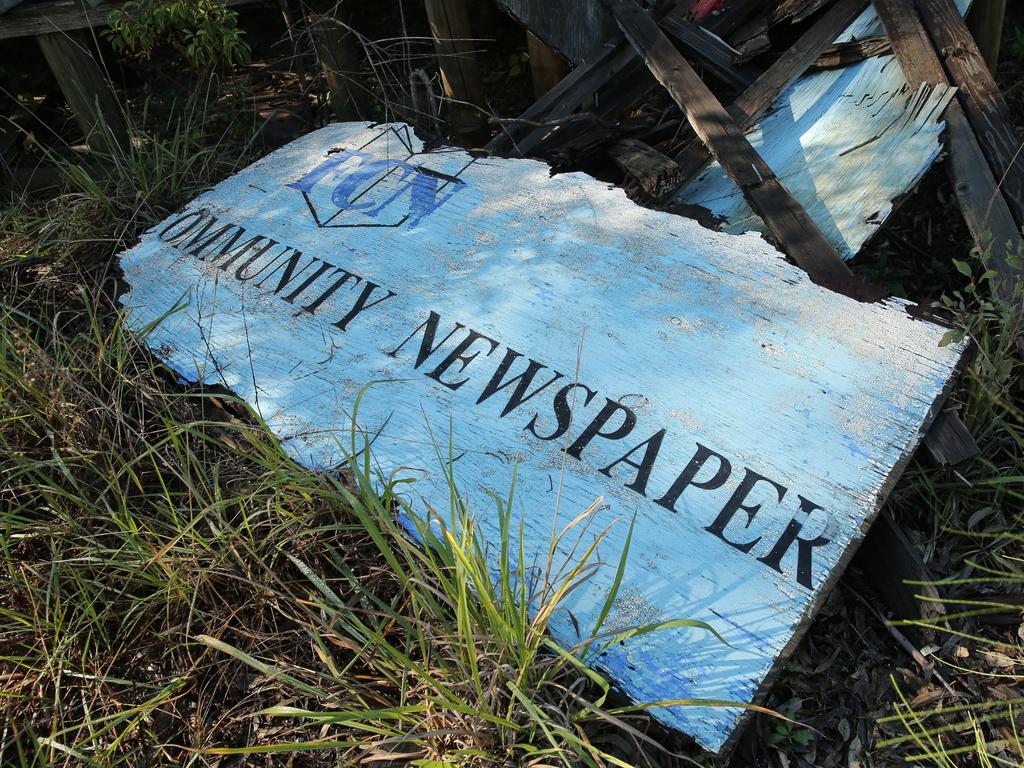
[(846, 142), (763, 92), (751, 421)]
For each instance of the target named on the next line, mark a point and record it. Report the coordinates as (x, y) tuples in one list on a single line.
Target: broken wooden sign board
[(751, 421), (845, 142)]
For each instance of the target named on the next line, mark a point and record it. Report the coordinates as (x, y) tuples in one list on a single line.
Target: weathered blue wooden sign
[(751, 421)]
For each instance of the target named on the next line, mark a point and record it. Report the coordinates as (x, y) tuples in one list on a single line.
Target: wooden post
[(546, 66), (985, 209), (986, 22), (340, 54), (460, 74), (86, 88), (986, 109), (291, 12)]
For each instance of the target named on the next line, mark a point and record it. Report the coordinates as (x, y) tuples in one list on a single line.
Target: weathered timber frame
[(615, 62)]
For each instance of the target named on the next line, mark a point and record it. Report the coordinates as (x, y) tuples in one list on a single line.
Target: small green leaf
[(954, 336), (803, 738)]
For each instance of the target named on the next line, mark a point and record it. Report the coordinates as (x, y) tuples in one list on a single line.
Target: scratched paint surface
[(845, 142), (745, 416)]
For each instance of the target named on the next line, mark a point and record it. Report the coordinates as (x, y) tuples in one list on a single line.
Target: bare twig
[(584, 116), (926, 666)]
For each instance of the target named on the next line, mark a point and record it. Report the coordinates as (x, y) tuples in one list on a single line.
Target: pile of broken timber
[(584, 112)]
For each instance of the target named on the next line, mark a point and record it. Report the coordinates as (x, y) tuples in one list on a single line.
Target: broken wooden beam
[(981, 98), (795, 231), (851, 51), (756, 99), (716, 57), (580, 29), (562, 100), (616, 60), (647, 170), (985, 209), (796, 11)]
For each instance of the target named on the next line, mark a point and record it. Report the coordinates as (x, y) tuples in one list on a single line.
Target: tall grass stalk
[(150, 538), (976, 514), (178, 590)]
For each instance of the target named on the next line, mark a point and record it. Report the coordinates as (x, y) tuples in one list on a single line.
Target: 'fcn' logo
[(355, 189)]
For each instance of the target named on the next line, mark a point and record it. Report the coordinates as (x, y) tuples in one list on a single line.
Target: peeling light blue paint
[(845, 142), (709, 336)]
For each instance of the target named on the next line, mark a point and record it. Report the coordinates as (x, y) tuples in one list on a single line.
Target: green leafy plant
[(788, 735), (518, 63), (976, 514), (203, 32)]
